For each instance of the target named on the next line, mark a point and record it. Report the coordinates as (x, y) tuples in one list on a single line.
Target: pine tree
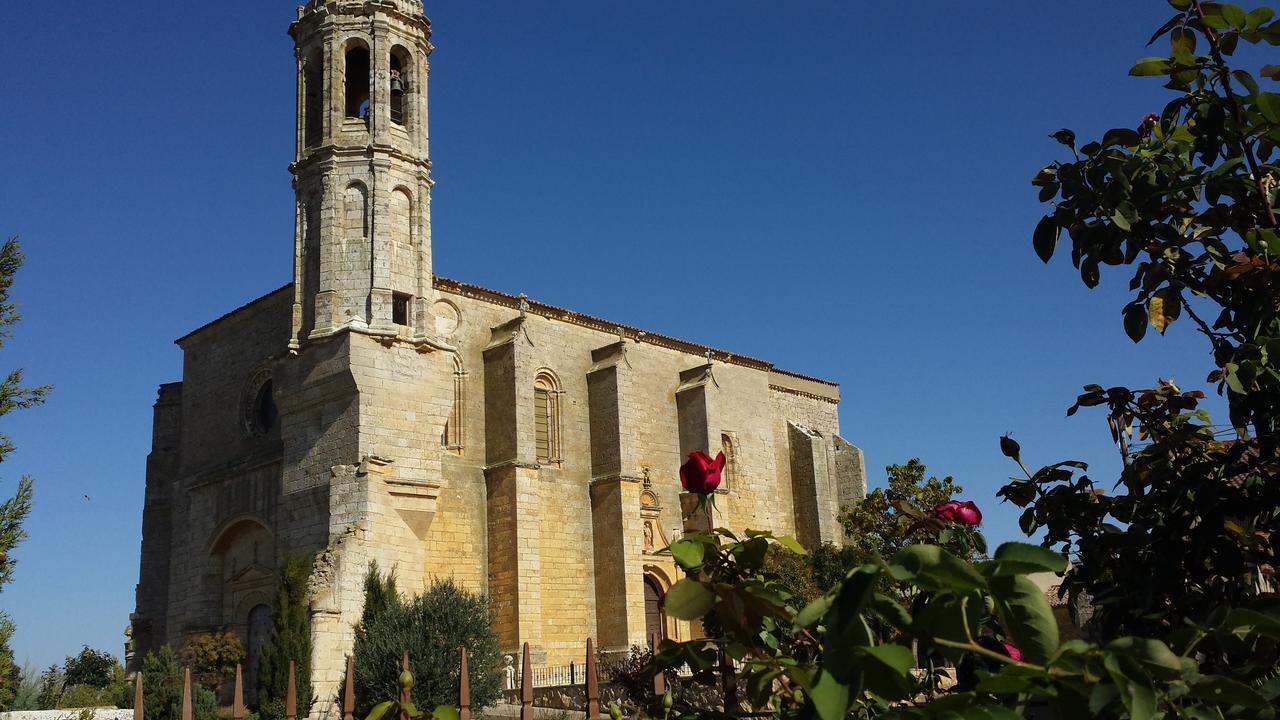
[(13, 396), (290, 640)]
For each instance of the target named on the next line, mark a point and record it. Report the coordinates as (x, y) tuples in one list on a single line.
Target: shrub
[(162, 690), (290, 640), (27, 696), (85, 696), (431, 628), (213, 657)]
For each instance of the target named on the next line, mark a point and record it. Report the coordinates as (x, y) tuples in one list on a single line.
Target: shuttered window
[(542, 423)]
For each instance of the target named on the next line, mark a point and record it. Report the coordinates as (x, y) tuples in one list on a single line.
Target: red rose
[(946, 511), (701, 474), (1012, 651), (965, 513)]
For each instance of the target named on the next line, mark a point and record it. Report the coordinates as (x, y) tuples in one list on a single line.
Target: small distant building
[(371, 410)]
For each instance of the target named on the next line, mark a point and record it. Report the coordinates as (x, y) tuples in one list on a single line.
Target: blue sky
[(839, 187)]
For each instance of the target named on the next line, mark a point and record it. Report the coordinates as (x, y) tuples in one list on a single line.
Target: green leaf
[(887, 670), (1269, 105), (1150, 66), (1014, 558), (1257, 17), (791, 544), (689, 599), (1244, 621), (1269, 71), (1024, 610), (1135, 688), (381, 709), (935, 569), (1135, 321), (1225, 691), (891, 611), (1120, 220), (445, 712), (1153, 654), (830, 697), (1045, 238), (1235, 16), (814, 611), (688, 553), (846, 629), (1182, 40)]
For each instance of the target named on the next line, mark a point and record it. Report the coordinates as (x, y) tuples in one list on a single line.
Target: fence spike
[(526, 687), (404, 691), (464, 689), (593, 684), (291, 694), (659, 677), (186, 694), (237, 697), (137, 696), (349, 691)]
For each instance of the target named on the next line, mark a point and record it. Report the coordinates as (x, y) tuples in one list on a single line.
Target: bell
[(396, 86)]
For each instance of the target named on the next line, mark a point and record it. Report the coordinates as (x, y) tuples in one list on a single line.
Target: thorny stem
[(1224, 75)]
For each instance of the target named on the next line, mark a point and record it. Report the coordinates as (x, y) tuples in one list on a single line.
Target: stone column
[(511, 473), (811, 487), (699, 428), (615, 501)]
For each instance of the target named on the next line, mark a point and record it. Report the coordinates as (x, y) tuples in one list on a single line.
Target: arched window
[(546, 418), (401, 61), (655, 616), (729, 445), (357, 82), (313, 87)]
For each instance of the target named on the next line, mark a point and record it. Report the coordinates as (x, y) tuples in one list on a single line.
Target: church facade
[(371, 410)]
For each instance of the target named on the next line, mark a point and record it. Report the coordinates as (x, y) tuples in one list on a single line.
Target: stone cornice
[(624, 331)]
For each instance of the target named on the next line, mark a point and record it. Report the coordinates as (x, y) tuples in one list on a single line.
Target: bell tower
[(362, 170)]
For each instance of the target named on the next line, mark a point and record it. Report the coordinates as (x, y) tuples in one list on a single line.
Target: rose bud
[(701, 474), (946, 511), (1012, 651), (968, 514), (1010, 447)]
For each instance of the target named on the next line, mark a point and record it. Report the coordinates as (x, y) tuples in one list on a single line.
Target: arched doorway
[(655, 620)]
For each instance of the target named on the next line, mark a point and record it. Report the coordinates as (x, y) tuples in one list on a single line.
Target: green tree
[(290, 640), (162, 680), (431, 628), (13, 511), (89, 667), (873, 525), (50, 688), (1184, 201)]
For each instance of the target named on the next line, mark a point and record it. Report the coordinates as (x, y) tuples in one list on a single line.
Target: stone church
[(371, 410)]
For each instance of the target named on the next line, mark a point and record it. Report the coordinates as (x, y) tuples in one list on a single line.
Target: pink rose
[(965, 513), (701, 474), (1012, 651)]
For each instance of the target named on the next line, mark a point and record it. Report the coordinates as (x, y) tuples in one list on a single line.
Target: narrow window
[(357, 82), (313, 79), (400, 309)]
